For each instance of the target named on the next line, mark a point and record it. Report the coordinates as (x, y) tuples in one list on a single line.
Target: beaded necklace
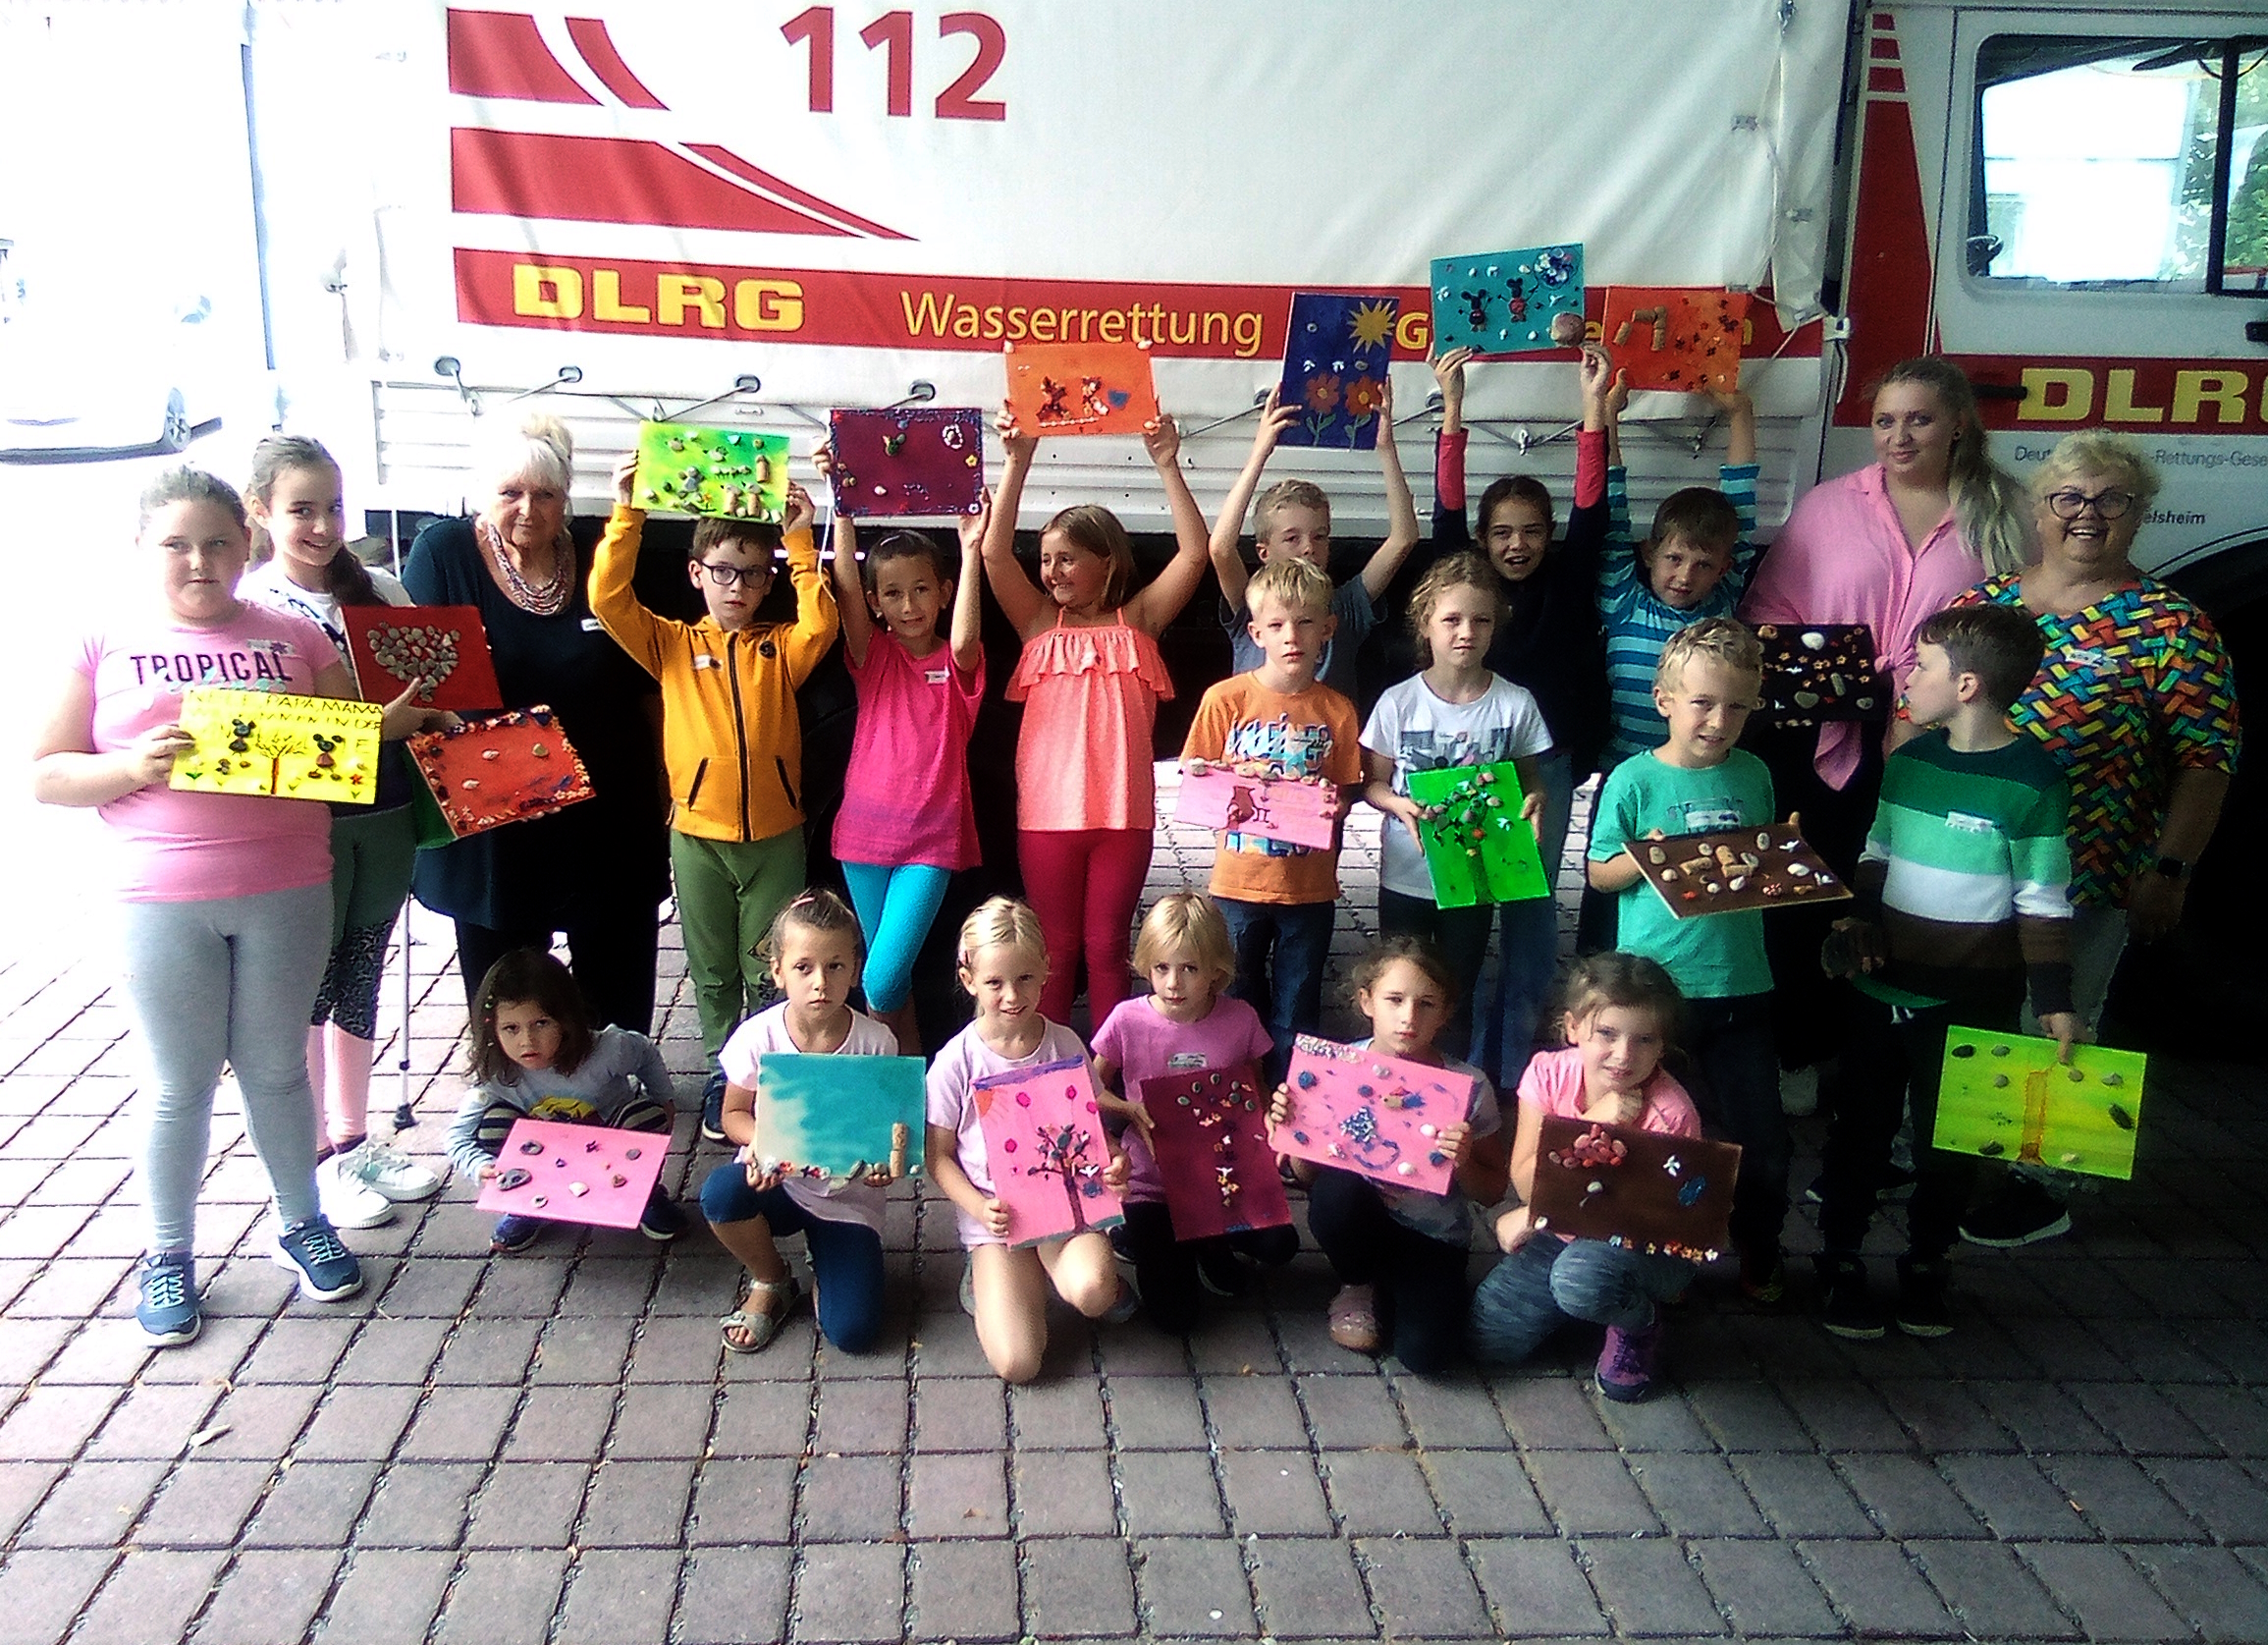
[(548, 600)]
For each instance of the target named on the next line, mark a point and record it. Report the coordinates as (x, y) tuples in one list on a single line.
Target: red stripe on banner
[(591, 38), (969, 315), (499, 54), (1883, 46), (1885, 80), (606, 179), (764, 180)]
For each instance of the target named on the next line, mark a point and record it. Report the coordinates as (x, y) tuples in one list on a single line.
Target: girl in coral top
[(1089, 679)]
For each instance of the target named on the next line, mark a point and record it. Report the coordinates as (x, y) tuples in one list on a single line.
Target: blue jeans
[(1511, 1001), (1545, 1284), (1736, 1085), (1280, 950), (845, 1256)]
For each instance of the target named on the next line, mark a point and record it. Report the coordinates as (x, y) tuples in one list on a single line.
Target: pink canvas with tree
[(1046, 1150)]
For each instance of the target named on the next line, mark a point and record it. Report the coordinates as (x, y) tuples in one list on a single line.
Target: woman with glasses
[(2138, 703), (597, 870), (1886, 546)]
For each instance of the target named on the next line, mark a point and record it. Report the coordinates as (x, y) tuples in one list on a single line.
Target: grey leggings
[(227, 980)]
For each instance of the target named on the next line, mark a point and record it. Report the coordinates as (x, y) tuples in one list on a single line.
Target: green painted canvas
[(726, 473), (2005, 1097), (1478, 847), (838, 1115)]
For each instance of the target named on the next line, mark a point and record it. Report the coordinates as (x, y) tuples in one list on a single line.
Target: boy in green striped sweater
[(1963, 890)]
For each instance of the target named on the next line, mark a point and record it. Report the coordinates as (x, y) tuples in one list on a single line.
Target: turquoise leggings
[(895, 910)]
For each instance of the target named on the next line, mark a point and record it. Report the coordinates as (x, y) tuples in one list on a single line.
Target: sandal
[(762, 1327), (1354, 1319)]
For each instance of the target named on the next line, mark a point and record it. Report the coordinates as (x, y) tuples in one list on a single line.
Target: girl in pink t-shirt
[(1620, 1019), (1187, 1021), (1089, 680), (906, 822)]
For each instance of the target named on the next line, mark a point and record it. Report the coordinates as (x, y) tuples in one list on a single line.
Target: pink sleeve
[(86, 656), (1449, 471), (1785, 587), (1589, 468), (1256, 1045)]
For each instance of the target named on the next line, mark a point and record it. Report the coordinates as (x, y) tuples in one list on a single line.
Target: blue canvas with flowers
[(1509, 302), (1335, 366)]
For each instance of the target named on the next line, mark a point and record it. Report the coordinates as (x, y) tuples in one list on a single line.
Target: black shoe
[(1849, 1310), (1921, 1310), (1224, 1273), (1121, 1246), (713, 1108), (1897, 1184), (661, 1219), (1764, 1277), (2020, 1213), (514, 1233)]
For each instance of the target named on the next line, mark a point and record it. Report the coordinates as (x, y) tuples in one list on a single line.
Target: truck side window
[(2097, 159)]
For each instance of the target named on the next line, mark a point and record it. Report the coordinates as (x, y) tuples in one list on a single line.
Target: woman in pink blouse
[(1887, 546)]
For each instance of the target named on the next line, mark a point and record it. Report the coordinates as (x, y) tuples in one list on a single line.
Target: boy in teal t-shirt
[(1705, 684)]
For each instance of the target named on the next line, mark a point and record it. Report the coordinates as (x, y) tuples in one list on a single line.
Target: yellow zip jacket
[(731, 736)]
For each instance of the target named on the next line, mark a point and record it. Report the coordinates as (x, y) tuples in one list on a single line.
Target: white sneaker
[(386, 1171), (1800, 1092), (346, 1201)]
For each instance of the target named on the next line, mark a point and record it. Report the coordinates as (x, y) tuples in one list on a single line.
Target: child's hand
[(1456, 1141), (801, 513), (1275, 417), (2062, 1027), (1596, 374), (1853, 945), (1018, 445), (1449, 372), (1138, 1117), (1532, 813), (1386, 402), (488, 1173), (761, 1177), (1162, 440), (1616, 1108), (1195, 767), (625, 480), (1279, 1106), (403, 718), (972, 526), (1116, 1173), (152, 755), (1514, 1229), (1409, 810), (1730, 400), (996, 1219), (879, 1177), (823, 460)]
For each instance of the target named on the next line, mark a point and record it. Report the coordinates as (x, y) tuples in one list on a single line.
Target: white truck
[(401, 218)]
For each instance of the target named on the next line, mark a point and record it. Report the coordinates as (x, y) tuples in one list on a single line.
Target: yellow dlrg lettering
[(607, 299), (677, 294), (768, 305), (2119, 402), (2057, 393), (2222, 390), (546, 293)]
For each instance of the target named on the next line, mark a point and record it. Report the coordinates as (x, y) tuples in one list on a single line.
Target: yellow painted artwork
[(271, 742)]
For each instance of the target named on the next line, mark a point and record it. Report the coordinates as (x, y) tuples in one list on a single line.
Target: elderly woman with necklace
[(596, 871)]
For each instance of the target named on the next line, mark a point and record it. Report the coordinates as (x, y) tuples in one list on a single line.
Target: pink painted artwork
[(1272, 807), (1374, 1114), (576, 1173), (1209, 1135), (1045, 1148)]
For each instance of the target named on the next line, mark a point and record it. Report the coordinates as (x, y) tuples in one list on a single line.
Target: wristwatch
[(2171, 869)]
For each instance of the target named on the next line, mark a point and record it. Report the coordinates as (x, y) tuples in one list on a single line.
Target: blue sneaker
[(168, 1310), (327, 1270), (713, 1108), (661, 1219), (514, 1234)]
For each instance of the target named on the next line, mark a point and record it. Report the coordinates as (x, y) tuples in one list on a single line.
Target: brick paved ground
[(552, 1446)]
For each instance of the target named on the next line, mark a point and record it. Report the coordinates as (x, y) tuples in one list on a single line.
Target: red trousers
[(1084, 885)]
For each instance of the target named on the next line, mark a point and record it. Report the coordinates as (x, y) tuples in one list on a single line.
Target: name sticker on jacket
[(704, 660)]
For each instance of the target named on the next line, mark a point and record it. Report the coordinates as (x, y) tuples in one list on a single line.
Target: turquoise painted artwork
[(1509, 302), (837, 1116)]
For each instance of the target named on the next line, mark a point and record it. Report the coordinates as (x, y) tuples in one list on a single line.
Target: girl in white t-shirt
[(815, 952), (1454, 712), (1004, 965)]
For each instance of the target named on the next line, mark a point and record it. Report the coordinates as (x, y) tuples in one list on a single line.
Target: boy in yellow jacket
[(730, 738)]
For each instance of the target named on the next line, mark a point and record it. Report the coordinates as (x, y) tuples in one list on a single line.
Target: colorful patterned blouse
[(2133, 689)]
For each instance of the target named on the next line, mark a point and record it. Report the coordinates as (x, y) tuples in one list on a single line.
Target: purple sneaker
[(1625, 1364)]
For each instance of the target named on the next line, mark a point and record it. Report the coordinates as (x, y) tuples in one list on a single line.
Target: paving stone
[(504, 1598), (964, 1590), (636, 1504), (861, 1416), (1846, 1415), (2042, 1416), (1060, 1415), (849, 1591), (1697, 1495), (1309, 1587), (259, 1422), (1443, 1413), (764, 1419), (1193, 1587), (2015, 1500), (461, 1424), (218, 1352), (22, 1485), (1234, 1343), (1170, 1494), (619, 1597), (1906, 1497), (1550, 1414), (1537, 1587), (959, 1413), (1484, 1493), (734, 1596), (580, 1351), (1943, 1417), (420, 1506), (42, 1592), (486, 1353), (2229, 1501), (2142, 1420), (1064, 1493), (1380, 1493), (1990, 1591), (2119, 1500), (1422, 1590), (562, 1425), (1263, 1412), (28, 1344), (956, 1494), (398, 1351), (743, 1500), (1274, 1493), (151, 1595), (1077, 1588), (520, 1290), (2211, 1587), (528, 1505), (2094, 1583), (1747, 1416), (50, 1424), (1875, 1588), (299, 1350), (1589, 1491), (2233, 1418), (313, 1504), (1763, 1587), (851, 1499), (672, 1420), (2066, 1349), (357, 1424), (607, 1287), (93, 1505), (1351, 1413), (110, 1352), (386, 1597), (268, 1597)]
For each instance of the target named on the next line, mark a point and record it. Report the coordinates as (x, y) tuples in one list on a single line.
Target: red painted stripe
[(590, 36), (499, 54), (606, 179), (1889, 283), (1885, 80), (740, 168), (1883, 48)]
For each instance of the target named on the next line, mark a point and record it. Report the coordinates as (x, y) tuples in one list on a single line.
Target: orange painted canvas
[(1081, 388), (1677, 338)]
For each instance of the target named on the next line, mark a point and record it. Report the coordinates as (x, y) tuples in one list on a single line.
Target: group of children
[(1960, 895)]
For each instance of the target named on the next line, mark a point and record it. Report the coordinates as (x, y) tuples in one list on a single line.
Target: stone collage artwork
[(2006, 1097), (1509, 302), (1209, 1130), (1272, 807), (1081, 388), (1335, 352), (443, 648), (593, 1174), (1371, 1114), (275, 742), (1676, 338), (724, 474), (837, 1116), (1478, 847), (1046, 1149), (918, 463), (1637, 1189), (495, 769)]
